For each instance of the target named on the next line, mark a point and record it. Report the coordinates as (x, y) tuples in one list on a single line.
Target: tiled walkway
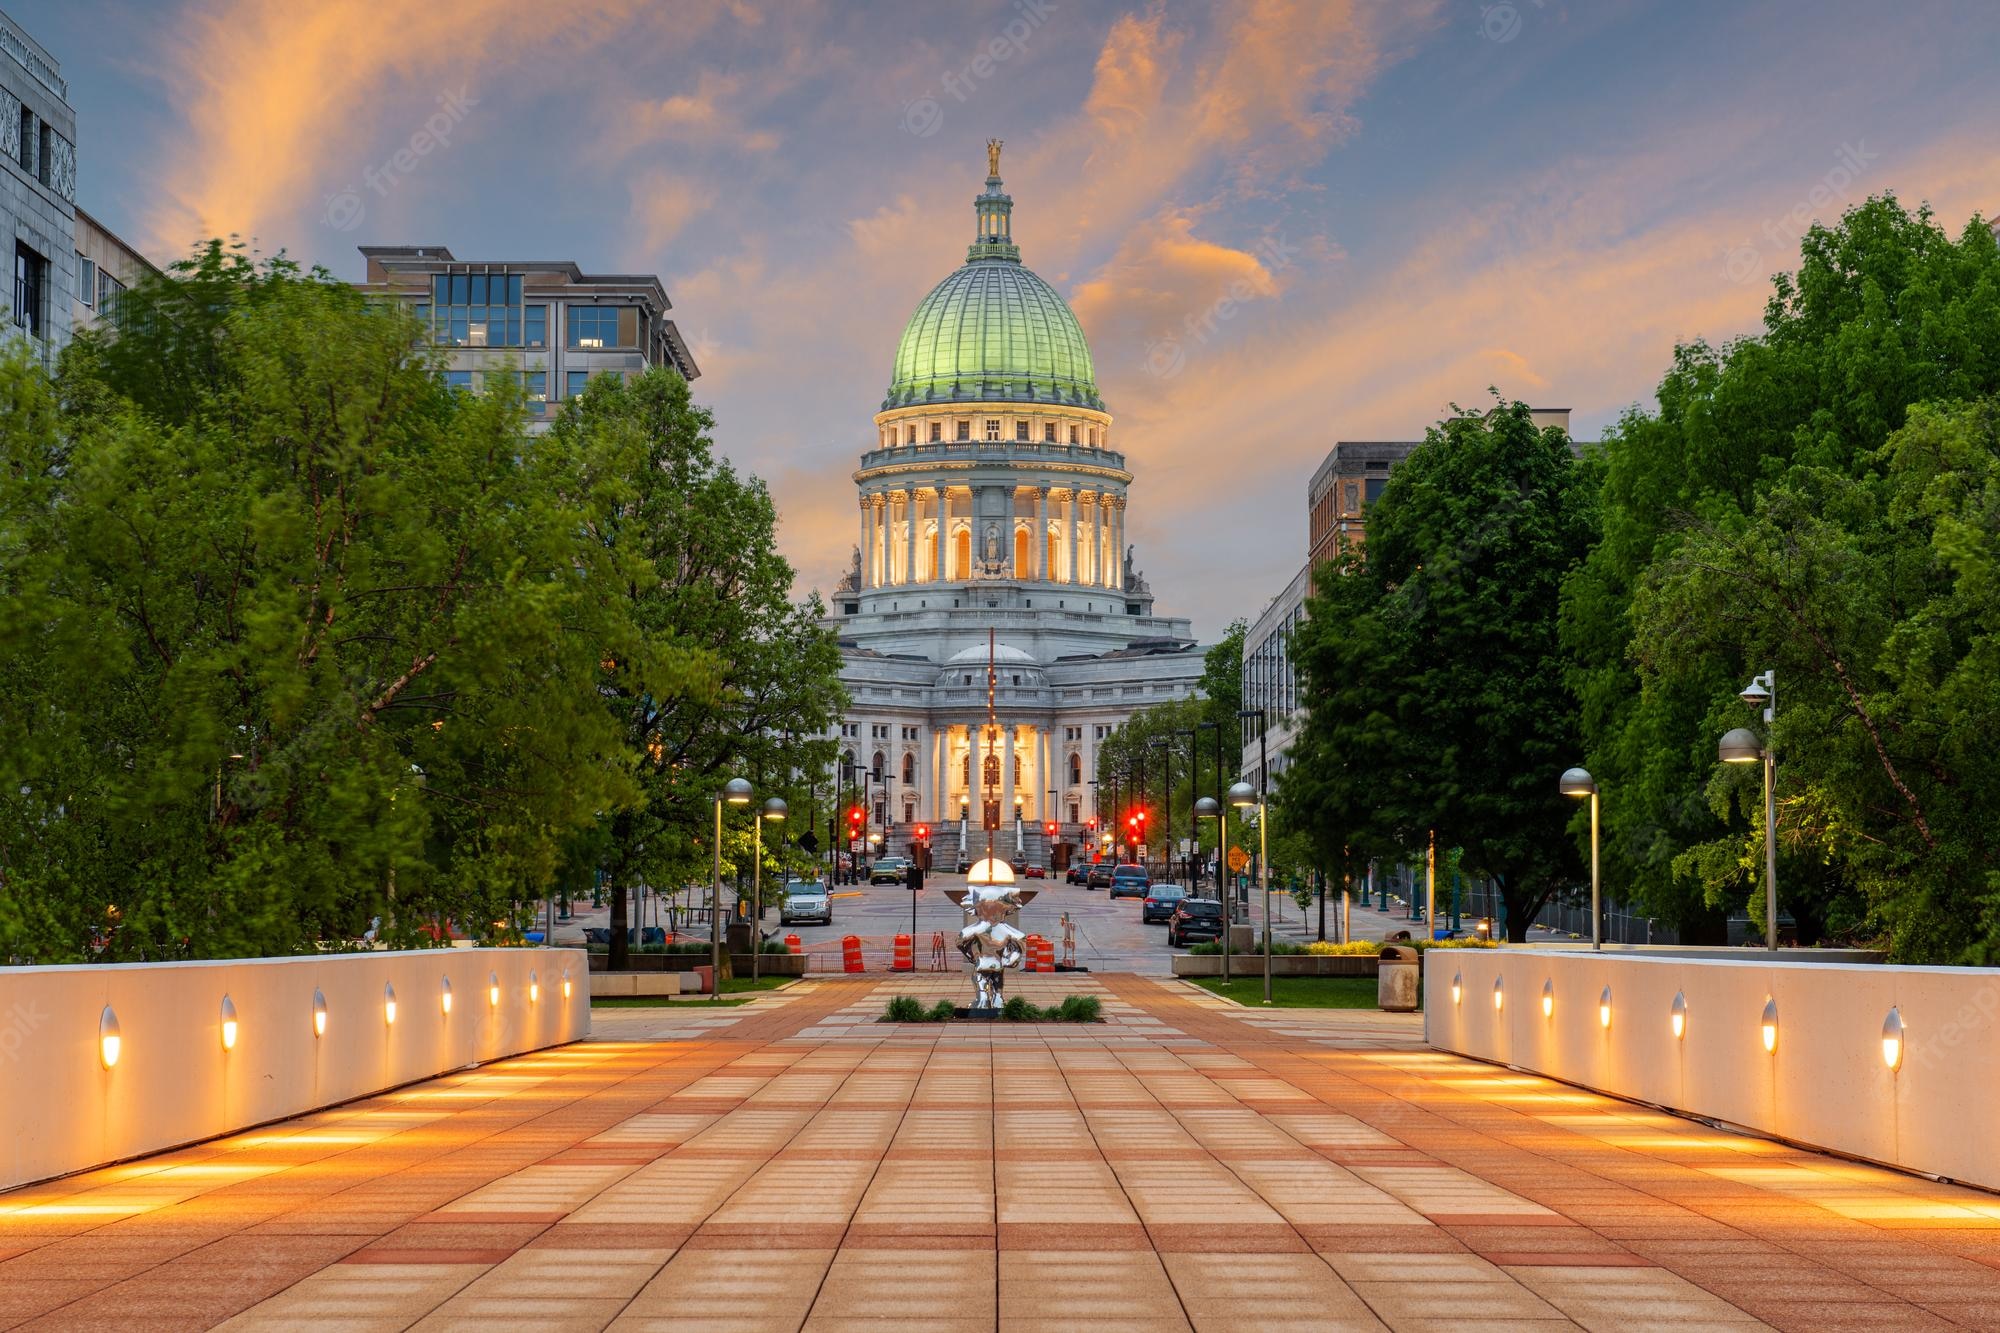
[(791, 1164)]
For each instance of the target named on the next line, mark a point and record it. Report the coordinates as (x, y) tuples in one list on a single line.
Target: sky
[(1282, 223)]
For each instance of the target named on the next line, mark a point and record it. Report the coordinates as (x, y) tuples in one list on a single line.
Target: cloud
[(663, 202)]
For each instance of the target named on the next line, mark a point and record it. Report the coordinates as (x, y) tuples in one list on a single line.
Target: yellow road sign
[(1238, 859)]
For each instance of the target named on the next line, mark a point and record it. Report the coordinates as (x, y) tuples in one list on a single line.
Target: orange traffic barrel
[(1032, 947), (903, 960), (850, 953), (793, 944)]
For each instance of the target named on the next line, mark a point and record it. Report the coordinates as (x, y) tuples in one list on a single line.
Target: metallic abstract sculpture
[(989, 940)]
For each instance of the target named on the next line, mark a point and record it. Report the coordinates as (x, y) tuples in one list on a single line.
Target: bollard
[(793, 944), (904, 960), (850, 954), (1396, 979)]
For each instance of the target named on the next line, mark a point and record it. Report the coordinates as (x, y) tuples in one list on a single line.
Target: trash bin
[(1396, 979)]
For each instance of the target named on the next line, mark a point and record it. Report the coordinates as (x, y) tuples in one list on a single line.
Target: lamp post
[(1206, 808), (1166, 745), (1578, 782), (1743, 746), (1243, 796), (1263, 841), (1221, 889), (1194, 782), (734, 792), (775, 810)]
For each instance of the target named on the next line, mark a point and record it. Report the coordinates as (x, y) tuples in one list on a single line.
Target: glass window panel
[(537, 327), (461, 289), (440, 289), (459, 379), (514, 289), (478, 289), (538, 386), (577, 380)]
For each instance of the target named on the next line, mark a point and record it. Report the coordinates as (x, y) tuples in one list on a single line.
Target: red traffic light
[(1050, 829), (923, 833), (854, 815), (1140, 817)]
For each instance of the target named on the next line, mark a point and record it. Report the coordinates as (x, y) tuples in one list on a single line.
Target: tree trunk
[(621, 949)]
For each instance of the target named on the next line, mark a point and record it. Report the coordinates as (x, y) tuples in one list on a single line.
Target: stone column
[(1042, 535), (910, 535), (867, 540), (1118, 542), (1097, 543), (882, 535), (1045, 778), (937, 775), (1070, 529), (1009, 737)]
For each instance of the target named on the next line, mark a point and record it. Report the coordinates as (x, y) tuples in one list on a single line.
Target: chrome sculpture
[(990, 940)]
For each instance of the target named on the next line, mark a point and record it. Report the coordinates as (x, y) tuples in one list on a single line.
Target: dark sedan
[(1078, 872), (1194, 919), (1099, 876), (1161, 899)]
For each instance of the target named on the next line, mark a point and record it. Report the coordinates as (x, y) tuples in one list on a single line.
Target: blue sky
[(1412, 199)]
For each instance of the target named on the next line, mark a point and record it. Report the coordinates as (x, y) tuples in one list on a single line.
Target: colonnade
[(910, 535)]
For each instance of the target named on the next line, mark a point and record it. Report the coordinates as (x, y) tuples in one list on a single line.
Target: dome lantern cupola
[(995, 209)]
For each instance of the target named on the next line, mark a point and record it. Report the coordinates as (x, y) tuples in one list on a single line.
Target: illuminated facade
[(992, 497)]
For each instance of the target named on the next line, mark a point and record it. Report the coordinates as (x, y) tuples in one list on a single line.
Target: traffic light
[(854, 818), (923, 833), (1093, 824), (1050, 828)]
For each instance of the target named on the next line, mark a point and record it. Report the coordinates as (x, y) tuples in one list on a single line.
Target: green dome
[(993, 331)]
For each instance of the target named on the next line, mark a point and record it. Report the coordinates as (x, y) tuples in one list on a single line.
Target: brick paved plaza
[(793, 1164)]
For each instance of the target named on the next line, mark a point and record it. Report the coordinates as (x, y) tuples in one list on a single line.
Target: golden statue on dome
[(993, 156)]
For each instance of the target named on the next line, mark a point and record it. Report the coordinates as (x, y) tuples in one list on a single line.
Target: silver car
[(806, 904)]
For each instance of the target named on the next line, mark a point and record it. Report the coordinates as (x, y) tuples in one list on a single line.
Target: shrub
[(904, 1009), (1019, 1009), (942, 1011), (1078, 1009)]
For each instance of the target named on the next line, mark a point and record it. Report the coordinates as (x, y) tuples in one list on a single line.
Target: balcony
[(1029, 452)]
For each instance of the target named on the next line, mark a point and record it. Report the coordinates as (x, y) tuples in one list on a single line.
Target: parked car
[(635, 936), (888, 870), (1099, 876), (1194, 919), (1161, 899), (806, 903), (1078, 872), (1129, 881), (1035, 870)]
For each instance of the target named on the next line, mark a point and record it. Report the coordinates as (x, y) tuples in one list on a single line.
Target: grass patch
[(1296, 992), (1017, 1009), (734, 985)]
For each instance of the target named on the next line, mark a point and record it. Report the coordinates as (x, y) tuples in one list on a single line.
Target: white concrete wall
[(1826, 1084), (61, 1110)]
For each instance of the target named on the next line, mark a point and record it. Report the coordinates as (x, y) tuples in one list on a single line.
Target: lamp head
[(1242, 794), (1740, 746), (775, 808), (1756, 693), (1578, 782), (1206, 808), (736, 791)]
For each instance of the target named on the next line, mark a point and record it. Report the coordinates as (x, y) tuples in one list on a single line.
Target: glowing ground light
[(389, 1003), (1604, 1008), (1679, 1017), (444, 995), (534, 988), (319, 1014), (228, 1024), (1457, 986), (1769, 1026), (493, 990), (565, 983), (1499, 993), (109, 1043), (1892, 1039), (1549, 998)]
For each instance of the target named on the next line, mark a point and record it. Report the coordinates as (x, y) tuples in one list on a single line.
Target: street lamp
[(734, 792), (1578, 782), (1209, 808), (1744, 746), (1243, 796), (774, 810)]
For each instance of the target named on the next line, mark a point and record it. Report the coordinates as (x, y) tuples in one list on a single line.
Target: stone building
[(993, 498), (37, 192)]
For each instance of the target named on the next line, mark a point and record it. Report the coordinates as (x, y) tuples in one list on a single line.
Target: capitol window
[(965, 430), (937, 431), (993, 428), (1021, 431), (1072, 435), (1049, 432)]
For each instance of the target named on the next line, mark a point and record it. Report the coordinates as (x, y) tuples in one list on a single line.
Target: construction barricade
[(903, 959), (850, 954)]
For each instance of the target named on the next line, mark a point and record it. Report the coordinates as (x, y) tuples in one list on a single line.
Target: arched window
[(1023, 554), (880, 761), (1076, 770), (961, 554), (909, 770), (847, 759)]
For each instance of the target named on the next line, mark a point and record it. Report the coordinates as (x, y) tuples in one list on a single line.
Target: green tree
[(1885, 311), (1432, 673), (719, 673), (296, 641)]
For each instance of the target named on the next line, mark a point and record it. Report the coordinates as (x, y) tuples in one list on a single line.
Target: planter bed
[(1283, 965)]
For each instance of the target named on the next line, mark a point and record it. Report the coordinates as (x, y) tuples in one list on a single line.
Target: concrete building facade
[(37, 192)]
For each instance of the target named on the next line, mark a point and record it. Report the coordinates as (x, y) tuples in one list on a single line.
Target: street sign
[(1238, 859), (913, 878), (808, 843)]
